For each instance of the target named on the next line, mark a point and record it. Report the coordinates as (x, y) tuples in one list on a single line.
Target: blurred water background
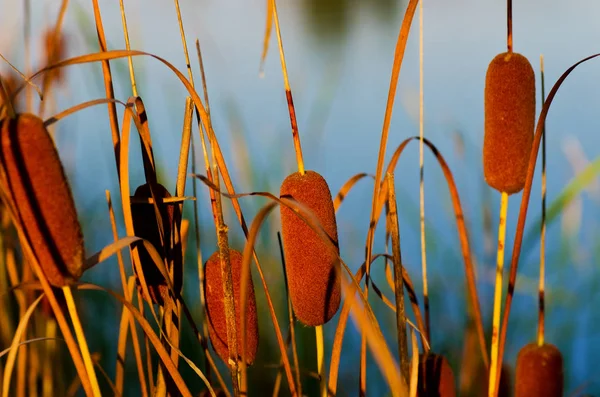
[(339, 56)]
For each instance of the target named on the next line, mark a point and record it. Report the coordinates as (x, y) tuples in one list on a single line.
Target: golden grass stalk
[(498, 294)]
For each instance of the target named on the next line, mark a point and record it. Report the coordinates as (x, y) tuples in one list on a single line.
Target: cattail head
[(215, 307), (435, 376), (145, 225), (539, 371), (42, 198), (509, 121), (312, 265)]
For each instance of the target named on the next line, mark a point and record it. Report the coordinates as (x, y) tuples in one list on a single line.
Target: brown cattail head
[(215, 307), (312, 265), (145, 225), (509, 121), (42, 198), (435, 377), (539, 371)]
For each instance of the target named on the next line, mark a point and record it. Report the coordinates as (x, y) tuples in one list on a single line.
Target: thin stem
[(128, 47), (85, 352), (320, 360), (498, 293), (398, 280), (541, 309), (422, 179), (288, 95), (183, 42), (509, 35)]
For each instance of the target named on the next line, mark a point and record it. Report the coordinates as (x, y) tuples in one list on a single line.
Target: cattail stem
[(498, 294), (422, 179), (85, 352), (321, 360), (509, 35), (541, 309), (288, 95)]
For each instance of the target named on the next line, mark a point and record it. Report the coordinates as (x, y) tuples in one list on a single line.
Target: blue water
[(340, 88)]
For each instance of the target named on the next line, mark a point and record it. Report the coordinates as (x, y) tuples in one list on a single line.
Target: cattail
[(145, 225), (312, 265), (42, 198), (539, 371), (509, 121), (215, 307), (435, 377)]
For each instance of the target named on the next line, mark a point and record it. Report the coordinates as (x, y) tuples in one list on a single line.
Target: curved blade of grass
[(84, 105), (26, 342), (12, 355), (462, 232), (346, 187), (518, 240)]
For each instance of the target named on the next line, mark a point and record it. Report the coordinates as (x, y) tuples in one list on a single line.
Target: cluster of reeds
[(49, 260)]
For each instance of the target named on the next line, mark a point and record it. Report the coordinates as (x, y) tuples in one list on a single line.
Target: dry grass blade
[(518, 240), (14, 348), (26, 342), (462, 234), (267, 37), (108, 86), (346, 187), (84, 105)]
